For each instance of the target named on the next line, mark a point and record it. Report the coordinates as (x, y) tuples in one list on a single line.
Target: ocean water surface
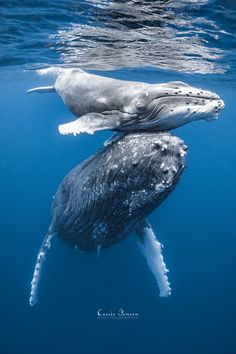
[(150, 41)]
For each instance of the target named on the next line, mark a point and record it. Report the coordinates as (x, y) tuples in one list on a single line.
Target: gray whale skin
[(108, 197), (128, 106)]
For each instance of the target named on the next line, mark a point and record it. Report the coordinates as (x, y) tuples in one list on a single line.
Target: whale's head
[(170, 105)]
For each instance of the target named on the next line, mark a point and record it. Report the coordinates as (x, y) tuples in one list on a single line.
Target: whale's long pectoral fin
[(150, 247), (88, 123), (92, 122), (38, 268)]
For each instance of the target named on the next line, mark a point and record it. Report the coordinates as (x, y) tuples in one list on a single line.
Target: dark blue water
[(134, 40)]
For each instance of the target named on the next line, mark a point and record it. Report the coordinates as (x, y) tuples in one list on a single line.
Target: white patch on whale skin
[(102, 100)]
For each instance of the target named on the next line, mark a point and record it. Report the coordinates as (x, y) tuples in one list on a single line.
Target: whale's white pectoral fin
[(150, 247), (38, 268), (89, 123)]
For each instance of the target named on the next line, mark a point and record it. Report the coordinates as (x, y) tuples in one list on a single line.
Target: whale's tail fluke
[(38, 267), (43, 89)]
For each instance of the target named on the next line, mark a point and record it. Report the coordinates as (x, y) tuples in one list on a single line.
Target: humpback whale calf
[(105, 103), (110, 195)]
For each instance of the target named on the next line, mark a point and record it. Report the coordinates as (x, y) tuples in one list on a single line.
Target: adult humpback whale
[(109, 196), (106, 103)]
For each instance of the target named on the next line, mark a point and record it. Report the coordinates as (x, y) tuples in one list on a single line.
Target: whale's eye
[(140, 105)]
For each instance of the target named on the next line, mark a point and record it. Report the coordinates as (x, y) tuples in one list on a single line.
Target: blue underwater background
[(196, 223)]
